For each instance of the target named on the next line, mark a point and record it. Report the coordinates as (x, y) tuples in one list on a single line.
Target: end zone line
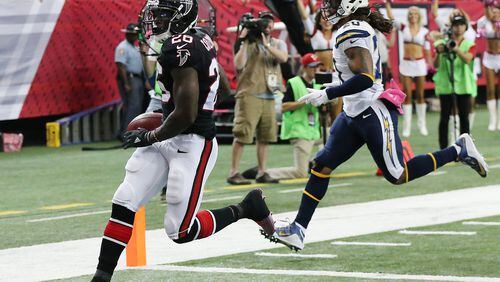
[(326, 256), (491, 223), (296, 272), (67, 216), (410, 232), (343, 243)]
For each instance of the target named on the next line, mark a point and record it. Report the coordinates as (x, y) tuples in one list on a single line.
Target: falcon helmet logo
[(183, 55)]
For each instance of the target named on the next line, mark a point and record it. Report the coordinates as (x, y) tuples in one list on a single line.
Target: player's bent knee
[(321, 169), (125, 196), (174, 195)]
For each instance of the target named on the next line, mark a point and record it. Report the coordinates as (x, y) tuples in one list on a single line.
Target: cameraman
[(257, 62), (461, 51)]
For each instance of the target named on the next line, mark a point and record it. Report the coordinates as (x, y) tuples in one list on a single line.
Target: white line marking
[(302, 188), (437, 173), (495, 166), (221, 199), (67, 216), (291, 190), (491, 223), (296, 272), (329, 224), (339, 185), (342, 243), (326, 256), (410, 232)]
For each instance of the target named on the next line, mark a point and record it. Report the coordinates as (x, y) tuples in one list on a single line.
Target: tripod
[(451, 56)]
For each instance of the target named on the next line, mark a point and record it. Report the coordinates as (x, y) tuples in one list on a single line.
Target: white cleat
[(291, 236), (470, 156)]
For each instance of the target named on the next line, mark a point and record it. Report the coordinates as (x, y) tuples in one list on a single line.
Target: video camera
[(255, 26), (450, 44)]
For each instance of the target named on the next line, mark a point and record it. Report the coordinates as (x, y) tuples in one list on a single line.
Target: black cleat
[(254, 207), (101, 276)]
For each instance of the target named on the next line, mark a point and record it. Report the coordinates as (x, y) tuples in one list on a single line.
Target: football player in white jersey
[(369, 116)]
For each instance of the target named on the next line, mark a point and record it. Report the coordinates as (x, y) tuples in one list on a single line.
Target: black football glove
[(137, 138)]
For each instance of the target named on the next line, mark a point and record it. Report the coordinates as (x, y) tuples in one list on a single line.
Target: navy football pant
[(377, 127)]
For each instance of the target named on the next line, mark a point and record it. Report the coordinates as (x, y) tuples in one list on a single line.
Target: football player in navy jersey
[(370, 116), (182, 152)]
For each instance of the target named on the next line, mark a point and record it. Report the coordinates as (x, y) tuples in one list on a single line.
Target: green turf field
[(40, 183)]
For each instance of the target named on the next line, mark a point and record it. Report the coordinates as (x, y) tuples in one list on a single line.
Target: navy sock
[(313, 193), (424, 164)]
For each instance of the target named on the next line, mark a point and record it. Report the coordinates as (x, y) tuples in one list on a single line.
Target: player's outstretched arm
[(361, 64), (185, 95)]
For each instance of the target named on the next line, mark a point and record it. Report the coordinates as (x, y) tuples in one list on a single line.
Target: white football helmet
[(334, 10)]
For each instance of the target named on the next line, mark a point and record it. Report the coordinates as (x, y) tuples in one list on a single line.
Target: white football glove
[(315, 97)]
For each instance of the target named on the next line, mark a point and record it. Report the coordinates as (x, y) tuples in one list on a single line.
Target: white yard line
[(494, 166), (79, 257), (343, 243), (491, 223), (302, 188), (415, 232), (221, 199), (325, 256), (67, 216), (307, 273), (339, 185), (437, 173)]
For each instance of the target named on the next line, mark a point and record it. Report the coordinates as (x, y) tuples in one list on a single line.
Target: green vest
[(295, 124), (465, 80)]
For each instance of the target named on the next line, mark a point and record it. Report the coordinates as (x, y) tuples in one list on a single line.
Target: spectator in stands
[(413, 67), (489, 27), (461, 51), (130, 76), (300, 123), (257, 61), (383, 47)]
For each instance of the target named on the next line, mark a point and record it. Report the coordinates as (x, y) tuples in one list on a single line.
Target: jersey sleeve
[(120, 55), (353, 36), (180, 52)]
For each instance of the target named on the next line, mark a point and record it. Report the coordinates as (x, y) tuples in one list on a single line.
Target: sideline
[(307, 273), (79, 257)]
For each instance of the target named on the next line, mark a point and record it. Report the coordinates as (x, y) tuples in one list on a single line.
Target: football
[(148, 121)]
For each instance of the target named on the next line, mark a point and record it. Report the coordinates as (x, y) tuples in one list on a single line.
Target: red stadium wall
[(77, 71)]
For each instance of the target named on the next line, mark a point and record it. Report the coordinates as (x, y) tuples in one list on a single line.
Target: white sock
[(301, 227), (472, 116), (492, 109), (498, 113)]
